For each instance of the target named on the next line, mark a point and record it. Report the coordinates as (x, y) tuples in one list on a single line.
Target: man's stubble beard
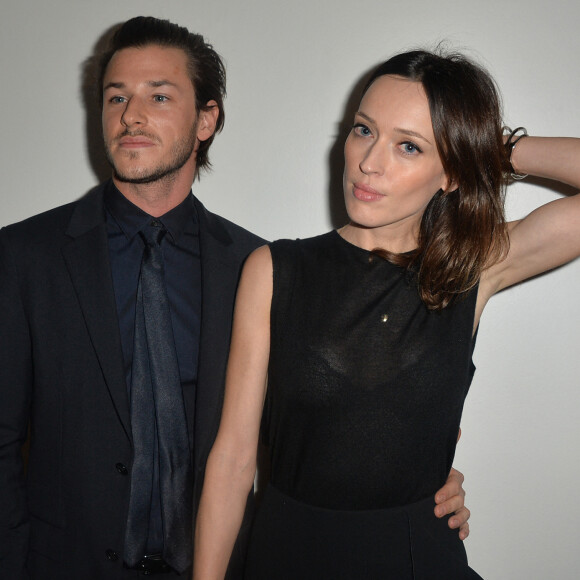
[(181, 152)]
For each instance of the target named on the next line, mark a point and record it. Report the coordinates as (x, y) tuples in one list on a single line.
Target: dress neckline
[(348, 244), (364, 252)]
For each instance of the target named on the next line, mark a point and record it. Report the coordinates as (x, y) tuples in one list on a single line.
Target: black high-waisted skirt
[(291, 540)]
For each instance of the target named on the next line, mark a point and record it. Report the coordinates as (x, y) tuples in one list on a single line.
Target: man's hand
[(450, 499)]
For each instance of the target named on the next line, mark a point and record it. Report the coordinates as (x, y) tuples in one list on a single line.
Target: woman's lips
[(366, 193)]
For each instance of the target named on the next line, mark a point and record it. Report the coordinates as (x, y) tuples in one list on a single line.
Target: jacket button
[(112, 555), (121, 469)]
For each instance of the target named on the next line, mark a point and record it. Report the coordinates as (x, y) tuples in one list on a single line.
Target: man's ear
[(206, 120)]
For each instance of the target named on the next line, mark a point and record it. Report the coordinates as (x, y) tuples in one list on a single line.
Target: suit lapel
[(87, 259), (220, 273)]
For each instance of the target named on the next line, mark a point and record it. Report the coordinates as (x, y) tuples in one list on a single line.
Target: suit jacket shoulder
[(226, 231), (47, 228)]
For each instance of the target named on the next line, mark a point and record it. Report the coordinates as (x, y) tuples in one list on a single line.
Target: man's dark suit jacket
[(61, 372)]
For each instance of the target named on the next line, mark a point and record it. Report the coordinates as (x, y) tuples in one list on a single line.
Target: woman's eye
[(361, 130), (410, 148)]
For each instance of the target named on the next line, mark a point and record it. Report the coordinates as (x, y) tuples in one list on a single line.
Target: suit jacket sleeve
[(15, 396)]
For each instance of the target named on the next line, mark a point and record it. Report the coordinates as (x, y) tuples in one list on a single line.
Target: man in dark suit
[(71, 299)]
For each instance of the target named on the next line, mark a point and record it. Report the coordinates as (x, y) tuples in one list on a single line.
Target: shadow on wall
[(337, 211), (94, 135), (92, 103)]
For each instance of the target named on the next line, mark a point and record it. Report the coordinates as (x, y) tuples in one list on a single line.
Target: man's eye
[(160, 98), (116, 100)]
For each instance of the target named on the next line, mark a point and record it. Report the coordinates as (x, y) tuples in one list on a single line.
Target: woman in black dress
[(352, 350)]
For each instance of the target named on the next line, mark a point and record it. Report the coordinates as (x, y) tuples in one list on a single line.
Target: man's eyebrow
[(113, 86), (161, 83), (154, 84)]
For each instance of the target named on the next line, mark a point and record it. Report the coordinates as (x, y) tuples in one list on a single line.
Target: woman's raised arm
[(550, 235), (231, 465)]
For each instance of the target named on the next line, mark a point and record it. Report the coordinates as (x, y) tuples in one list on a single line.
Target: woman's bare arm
[(231, 465), (550, 235)]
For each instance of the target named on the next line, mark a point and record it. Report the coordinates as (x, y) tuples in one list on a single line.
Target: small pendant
[(384, 318)]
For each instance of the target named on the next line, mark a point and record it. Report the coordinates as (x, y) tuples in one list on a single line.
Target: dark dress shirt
[(181, 253)]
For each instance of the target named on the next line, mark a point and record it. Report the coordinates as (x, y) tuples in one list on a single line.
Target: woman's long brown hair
[(462, 231)]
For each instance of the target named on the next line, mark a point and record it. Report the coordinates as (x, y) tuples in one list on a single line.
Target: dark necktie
[(158, 419)]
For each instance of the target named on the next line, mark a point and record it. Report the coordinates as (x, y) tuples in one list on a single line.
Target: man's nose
[(134, 113)]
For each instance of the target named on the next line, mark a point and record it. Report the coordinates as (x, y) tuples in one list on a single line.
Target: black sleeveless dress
[(365, 394)]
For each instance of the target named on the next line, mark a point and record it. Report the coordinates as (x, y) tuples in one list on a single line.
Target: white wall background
[(292, 67)]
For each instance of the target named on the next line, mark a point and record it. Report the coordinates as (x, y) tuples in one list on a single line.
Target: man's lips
[(366, 193), (135, 142)]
